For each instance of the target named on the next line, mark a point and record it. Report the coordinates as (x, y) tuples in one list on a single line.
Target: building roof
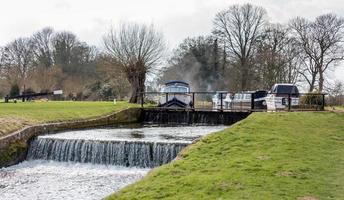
[(176, 82)]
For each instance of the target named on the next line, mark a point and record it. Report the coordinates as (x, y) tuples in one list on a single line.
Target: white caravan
[(278, 97)]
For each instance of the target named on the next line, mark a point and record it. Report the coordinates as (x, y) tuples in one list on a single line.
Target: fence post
[(252, 101), (221, 104), (193, 100), (323, 102), (289, 102)]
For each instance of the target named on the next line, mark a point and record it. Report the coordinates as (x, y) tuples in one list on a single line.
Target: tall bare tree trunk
[(138, 87), (321, 80), (311, 85), (244, 75), (137, 80)]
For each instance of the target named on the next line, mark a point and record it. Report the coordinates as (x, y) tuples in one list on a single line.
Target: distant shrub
[(312, 100), (15, 91)]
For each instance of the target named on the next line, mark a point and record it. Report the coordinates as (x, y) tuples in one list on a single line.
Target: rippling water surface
[(58, 180), (144, 134)]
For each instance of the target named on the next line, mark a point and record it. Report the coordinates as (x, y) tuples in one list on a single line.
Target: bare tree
[(43, 75), (336, 93), (17, 59), (309, 71), (48, 60), (137, 48), (43, 43), (64, 42), (108, 68), (239, 26), (277, 56), (322, 44), (293, 62)]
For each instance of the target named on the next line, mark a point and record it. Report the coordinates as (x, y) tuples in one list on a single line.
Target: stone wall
[(13, 147)]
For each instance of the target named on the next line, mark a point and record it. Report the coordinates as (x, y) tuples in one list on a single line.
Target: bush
[(15, 91), (312, 100)]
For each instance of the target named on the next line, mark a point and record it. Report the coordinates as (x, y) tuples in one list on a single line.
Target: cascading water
[(123, 153), (142, 147), (90, 164)]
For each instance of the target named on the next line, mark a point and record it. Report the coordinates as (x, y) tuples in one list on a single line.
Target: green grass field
[(297, 156), (15, 116)]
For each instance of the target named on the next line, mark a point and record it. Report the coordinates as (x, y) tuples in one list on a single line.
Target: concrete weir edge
[(13, 147)]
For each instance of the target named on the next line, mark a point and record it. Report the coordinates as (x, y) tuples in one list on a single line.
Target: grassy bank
[(267, 156), (15, 116)]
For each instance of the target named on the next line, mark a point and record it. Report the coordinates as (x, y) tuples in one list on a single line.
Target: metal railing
[(27, 96), (299, 102), (199, 100), (248, 101)]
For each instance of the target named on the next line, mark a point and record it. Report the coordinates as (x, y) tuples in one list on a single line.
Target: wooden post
[(193, 100), (289, 102), (323, 102), (252, 101), (221, 102)]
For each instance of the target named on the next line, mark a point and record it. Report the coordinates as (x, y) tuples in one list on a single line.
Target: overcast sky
[(177, 19)]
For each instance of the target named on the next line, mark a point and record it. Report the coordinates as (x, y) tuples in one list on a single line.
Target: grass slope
[(266, 156), (15, 116)]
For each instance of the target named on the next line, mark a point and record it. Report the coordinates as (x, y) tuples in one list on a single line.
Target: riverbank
[(59, 116), (17, 116), (266, 156)]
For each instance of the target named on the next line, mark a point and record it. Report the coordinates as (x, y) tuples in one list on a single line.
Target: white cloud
[(178, 19)]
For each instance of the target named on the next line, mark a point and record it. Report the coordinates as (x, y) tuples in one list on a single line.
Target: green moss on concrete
[(16, 150)]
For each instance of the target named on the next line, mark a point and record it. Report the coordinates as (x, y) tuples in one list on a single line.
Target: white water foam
[(145, 134), (38, 179), (59, 180)]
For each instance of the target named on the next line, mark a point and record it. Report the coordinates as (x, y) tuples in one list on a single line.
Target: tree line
[(50, 60), (244, 51)]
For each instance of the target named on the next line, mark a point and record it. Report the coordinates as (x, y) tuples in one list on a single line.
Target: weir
[(146, 147), (104, 160), (122, 153), (190, 117)]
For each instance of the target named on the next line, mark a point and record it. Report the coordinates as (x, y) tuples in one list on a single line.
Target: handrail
[(220, 104)]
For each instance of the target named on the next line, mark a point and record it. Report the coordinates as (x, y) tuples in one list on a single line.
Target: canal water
[(90, 164)]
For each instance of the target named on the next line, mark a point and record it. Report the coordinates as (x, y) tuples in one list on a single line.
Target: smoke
[(188, 69)]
